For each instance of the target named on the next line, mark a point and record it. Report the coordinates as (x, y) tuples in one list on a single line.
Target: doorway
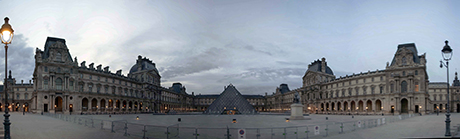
[(416, 108), (58, 104), (45, 107), (404, 106)]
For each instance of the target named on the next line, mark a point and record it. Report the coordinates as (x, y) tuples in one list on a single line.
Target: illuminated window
[(416, 87)]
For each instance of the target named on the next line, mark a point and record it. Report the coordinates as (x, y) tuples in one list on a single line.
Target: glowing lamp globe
[(6, 32)]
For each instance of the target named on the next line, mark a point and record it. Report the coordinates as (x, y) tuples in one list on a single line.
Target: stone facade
[(61, 84)]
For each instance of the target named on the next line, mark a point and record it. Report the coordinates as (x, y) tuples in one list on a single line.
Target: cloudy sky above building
[(255, 45)]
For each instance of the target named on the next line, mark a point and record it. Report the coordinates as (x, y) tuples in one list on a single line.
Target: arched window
[(404, 60), (403, 86), (59, 84)]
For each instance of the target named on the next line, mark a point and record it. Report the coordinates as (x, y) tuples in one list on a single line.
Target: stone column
[(397, 107), (90, 106), (373, 107)]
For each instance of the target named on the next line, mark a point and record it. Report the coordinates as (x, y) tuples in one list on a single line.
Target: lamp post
[(6, 35), (447, 55)]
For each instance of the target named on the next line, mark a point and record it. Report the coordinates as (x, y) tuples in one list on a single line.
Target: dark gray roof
[(284, 88), (177, 87), (253, 96), (316, 66), (229, 99), (207, 96), (145, 64), (411, 47), (50, 41)]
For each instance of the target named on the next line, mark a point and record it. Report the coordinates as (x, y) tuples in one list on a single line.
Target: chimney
[(106, 69), (118, 72), (99, 67), (91, 66), (30, 81), (83, 64), (323, 64), (22, 82)]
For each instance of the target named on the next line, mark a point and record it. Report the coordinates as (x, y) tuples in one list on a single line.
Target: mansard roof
[(51, 41), (230, 99), (411, 47), (143, 64), (317, 67)]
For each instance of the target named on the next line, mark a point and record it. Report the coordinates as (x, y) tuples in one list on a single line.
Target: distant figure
[(437, 111), (296, 97)]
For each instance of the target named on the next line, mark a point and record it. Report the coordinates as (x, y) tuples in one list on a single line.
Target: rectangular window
[(45, 83), (381, 78), (90, 77), (26, 96), (90, 88), (392, 88), (81, 87), (46, 69), (26, 89), (381, 90), (17, 96), (71, 85)]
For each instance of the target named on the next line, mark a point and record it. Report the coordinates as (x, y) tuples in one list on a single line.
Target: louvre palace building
[(61, 84)]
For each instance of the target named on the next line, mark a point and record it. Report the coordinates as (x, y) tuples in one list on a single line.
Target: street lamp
[(6, 35), (447, 55)]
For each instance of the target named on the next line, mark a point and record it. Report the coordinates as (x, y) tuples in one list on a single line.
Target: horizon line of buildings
[(61, 84)]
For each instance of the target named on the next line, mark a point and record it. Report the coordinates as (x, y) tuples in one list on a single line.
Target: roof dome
[(143, 64)]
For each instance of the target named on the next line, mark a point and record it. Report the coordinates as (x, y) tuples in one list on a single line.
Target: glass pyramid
[(230, 101)]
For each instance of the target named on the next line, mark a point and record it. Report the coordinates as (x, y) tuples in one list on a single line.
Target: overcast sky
[(255, 45)]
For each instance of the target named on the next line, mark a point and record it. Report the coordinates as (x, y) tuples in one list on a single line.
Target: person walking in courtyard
[(437, 111)]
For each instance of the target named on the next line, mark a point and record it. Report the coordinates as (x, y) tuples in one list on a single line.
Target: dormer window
[(58, 56), (404, 61)]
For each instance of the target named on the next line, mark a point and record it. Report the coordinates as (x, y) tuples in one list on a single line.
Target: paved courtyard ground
[(41, 126)]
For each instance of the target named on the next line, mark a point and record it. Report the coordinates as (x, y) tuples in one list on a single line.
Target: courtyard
[(215, 126)]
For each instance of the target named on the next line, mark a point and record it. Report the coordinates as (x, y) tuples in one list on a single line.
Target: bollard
[(126, 129), (144, 132), (112, 128), (196, 133)]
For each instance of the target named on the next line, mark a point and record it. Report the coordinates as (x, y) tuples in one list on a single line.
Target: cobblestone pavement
[(40, 126), (34, 126)]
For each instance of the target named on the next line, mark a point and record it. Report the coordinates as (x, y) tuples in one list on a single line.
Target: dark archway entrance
[(58, 104), (117, 104), (378, 105), (458, 107), (416, 108), (369, 106), (404, 106), (94, 104), (392, 109), (339, 108), (84, 104), (360, 105)]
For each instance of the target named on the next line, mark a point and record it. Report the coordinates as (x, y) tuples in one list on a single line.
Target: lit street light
[(6, 36), (447, 55)]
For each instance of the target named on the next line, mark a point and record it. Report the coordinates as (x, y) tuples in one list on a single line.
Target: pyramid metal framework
[(230, 99)]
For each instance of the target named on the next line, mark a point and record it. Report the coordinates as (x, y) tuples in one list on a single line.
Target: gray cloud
[(20, 59), (208, 60)]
